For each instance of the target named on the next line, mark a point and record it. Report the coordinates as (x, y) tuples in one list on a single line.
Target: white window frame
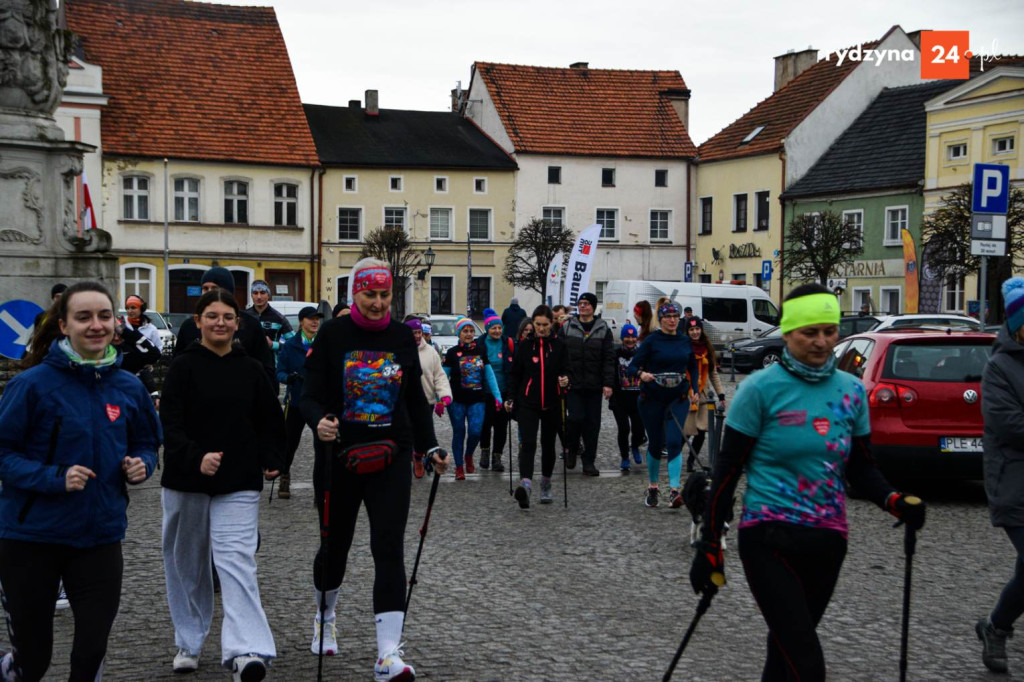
[(882, 297), (236, 198), (700, 216), (355, 184), (959, 291), (958, 158), (441, 180), (599, 287), (667, 239), (857, 293), (337, 223), (151, 269), (430, 292), (615, 211), (735, 213), (756, 227), (285, 200), (490, 288), (185, 196), (342, 294), (450, 210), (1010, 139), (135, 193), (859, 212), (476, 182), (553, 208), (405, 216), (898, 241), (391, 183), (490, 222)]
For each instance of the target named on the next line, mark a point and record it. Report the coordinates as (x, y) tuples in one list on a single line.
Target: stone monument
[(40, 240)]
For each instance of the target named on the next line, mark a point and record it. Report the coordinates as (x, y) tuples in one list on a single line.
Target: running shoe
[(485, 458), (637, 459), (417, 466), (624, 466), (675, 500), (470, 468), (651, 500), (590, 470), (545, 490), (523, 495), (62, 599), (248, 668), (329, 633), (496, 464), (460, 474), (570, 458), (185, 662), (391, 668), (993, 645)]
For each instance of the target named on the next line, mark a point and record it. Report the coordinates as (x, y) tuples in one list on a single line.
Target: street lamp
[(428, 259)]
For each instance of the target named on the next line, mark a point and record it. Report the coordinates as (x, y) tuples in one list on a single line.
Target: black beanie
[(589, 297), (221, 277)]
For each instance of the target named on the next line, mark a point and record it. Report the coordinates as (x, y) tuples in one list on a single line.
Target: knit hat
[(694, 323), (427, 329), (490, 321), (668, 308), (219, 276), (1013, 299), (628, 331), (414, 324), (490, 312), (589, 298), (463, 322), (259, 285)]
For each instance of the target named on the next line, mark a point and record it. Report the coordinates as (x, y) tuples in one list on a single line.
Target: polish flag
[(88, 215)]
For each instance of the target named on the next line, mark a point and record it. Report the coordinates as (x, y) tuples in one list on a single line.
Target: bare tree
[(817, 246), (392, 245), (535, 245)]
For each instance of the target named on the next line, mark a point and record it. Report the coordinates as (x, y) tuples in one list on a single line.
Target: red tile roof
[(780, 112), (590, 112), (194, 80)]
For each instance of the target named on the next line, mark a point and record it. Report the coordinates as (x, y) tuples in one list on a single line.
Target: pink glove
[(498, 405), (439, 409)]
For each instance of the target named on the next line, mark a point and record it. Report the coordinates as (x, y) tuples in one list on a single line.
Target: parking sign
[(688, 271), (766, 270), (991, 188)]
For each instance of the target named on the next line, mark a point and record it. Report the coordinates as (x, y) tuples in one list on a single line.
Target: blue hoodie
[(59, 414)]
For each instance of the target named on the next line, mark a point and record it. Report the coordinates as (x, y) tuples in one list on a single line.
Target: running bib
[(373, 381)]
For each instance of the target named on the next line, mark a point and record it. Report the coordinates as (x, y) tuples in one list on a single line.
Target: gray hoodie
[(1002, 406)]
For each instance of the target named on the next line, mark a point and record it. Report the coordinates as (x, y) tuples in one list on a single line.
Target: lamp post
[(469, 270)]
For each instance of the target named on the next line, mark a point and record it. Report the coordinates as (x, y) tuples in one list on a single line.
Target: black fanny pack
[(369, 458)]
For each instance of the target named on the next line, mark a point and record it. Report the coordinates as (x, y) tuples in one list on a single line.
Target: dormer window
[(753, 133)]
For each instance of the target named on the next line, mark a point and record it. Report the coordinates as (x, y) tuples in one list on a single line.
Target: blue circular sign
[(17, 319)]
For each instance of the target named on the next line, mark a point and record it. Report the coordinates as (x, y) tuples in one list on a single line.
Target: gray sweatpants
[(195, 523)]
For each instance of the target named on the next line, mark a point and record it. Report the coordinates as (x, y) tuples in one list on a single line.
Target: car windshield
[(944, 322), (446, 328), (951, 362)]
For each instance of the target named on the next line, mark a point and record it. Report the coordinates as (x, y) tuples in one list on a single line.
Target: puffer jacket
[(291, 359), (59, 414), (1002, 407), (591, 356)]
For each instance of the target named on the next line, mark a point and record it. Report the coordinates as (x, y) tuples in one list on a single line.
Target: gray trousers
[(194, 525)]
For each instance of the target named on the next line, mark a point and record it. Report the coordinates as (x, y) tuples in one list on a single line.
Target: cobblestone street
[(597, 591)]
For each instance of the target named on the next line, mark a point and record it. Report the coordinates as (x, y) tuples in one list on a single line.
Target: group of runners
[(76, 431)]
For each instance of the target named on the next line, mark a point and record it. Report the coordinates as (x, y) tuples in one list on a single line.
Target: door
[(286, 285)]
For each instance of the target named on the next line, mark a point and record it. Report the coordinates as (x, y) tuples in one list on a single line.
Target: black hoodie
[(214, 403)]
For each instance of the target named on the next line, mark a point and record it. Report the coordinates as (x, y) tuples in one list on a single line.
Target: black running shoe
[(523, 496), (651, 500)]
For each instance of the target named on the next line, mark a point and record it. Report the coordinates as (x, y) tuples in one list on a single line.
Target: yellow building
[(435, 175)]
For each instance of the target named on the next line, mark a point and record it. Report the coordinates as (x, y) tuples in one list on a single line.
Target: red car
[(924, 398)]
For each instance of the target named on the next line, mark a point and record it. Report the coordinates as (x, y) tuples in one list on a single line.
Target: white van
[(290, 310), (733, 311)]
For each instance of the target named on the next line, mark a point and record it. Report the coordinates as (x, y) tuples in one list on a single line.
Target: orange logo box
[(945, 54)]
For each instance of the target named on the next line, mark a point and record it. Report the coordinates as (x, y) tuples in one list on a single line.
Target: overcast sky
[(413, 52)]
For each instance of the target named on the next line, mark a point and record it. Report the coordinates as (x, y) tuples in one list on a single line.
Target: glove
[(439, 409), (498, 405), (708, 569), (428, 460), (907, 508)]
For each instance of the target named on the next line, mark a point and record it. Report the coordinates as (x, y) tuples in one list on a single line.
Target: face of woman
[(217, 324), (133, 309), (310, 325), (527, 330), (417, 335), (542, 326), (812, 345), (629, 342), (90, 324), (495, 331), (670, 323), (694, 333), (374, 304), (466, 335)]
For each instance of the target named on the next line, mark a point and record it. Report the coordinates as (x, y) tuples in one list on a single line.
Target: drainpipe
[(320, 232), (689, 203), (312, 238), (782, 221)]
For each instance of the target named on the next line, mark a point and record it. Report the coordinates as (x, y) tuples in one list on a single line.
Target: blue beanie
[(629, 331), (1013, 299), (490, 312), (221, 277)]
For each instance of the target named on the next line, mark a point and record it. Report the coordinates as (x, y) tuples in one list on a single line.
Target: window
[(480, 224), (554, 215), (479, 185), (186, 199), (607, 177), (441, 185), (342, 290), (136, 198), (955, 152), (739, 277), (764, 310), (138, 281), (554, 175), (855, 356), (1002, 145), (953, 295), (890, 300), (599, 287), (348, 224), (704, 279), (659, 225), (479, 294), (724, 309), (855, 218), (236, 202), (762, 209), (440, 223), (752, 134), (606, 218), (286, 203), (661, 178), (350, 183), (895, 222), (394, 216), (861, 298), (440, 295), (739, 218), (705, 215), (395, 183)]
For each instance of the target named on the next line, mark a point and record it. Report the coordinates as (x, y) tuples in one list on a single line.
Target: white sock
[(389, 631), (332, 597)]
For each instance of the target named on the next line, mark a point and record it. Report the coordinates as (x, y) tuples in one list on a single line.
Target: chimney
[(915, 37), (354, 104), (371, 103), (790, 65), (580, 65), (680, 100)]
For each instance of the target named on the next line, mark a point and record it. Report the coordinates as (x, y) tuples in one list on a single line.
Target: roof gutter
[(782, 220), (689, 205)]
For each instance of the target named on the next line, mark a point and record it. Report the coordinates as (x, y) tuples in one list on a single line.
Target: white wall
[(480, 109)]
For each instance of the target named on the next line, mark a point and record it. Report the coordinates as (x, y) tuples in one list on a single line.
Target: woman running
[(623, 401), (797, 428), (363, 389), (225, 433), (709, 385), (500, 352), (434, 381), (539, 376), (665, 365), (74, 430), (291, 371)]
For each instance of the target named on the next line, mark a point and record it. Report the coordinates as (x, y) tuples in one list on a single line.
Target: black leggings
[(293, 425), (549, 421), (386, 496), (792, 571), (584, 415), (498, 422), (31, 573), (627, 419)]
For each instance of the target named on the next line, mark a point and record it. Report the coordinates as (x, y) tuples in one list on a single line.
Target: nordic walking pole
[(423, 530), (510, 454), (702, 607), (330, 450), (565, 467), (909, 547)]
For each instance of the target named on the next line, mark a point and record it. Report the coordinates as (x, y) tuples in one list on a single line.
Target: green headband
[(809, 310)]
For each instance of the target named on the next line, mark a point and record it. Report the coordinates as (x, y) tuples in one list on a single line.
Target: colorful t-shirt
[(626, 381), (804, 433), (372, 383), (466, 373)]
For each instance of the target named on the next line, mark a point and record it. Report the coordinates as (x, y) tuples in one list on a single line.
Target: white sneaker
[(62, 599), (391, 668), (184, 662), (249, 668), (330, 635)]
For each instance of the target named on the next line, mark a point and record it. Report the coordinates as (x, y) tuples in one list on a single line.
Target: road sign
[(988, 247), (16, 320), (991, 188), (836, 283), (766, 270), (988, 226), (688, 271)]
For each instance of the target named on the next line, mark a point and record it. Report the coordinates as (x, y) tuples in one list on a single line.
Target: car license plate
[(959, 444)]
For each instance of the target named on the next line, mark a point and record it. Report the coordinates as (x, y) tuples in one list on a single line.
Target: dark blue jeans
[(1011, 602)]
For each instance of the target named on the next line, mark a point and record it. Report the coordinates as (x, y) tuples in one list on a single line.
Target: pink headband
[(372, 277)]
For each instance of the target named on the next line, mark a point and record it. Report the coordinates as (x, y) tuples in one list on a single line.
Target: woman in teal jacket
[(74, 431)]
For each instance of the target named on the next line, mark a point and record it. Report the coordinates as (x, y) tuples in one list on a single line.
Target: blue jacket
[(500, 354), (59, 414), (662, 353), (291, 359)]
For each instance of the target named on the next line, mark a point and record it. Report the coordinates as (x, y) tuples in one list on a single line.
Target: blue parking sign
[(766, 270), (991, 188), (17, 319), (688, 271)]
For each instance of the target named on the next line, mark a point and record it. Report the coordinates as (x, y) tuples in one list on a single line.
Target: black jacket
[(591, 356), (249, 334), (1002, 406), (214, 403), (533, 382), (511, 317)]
